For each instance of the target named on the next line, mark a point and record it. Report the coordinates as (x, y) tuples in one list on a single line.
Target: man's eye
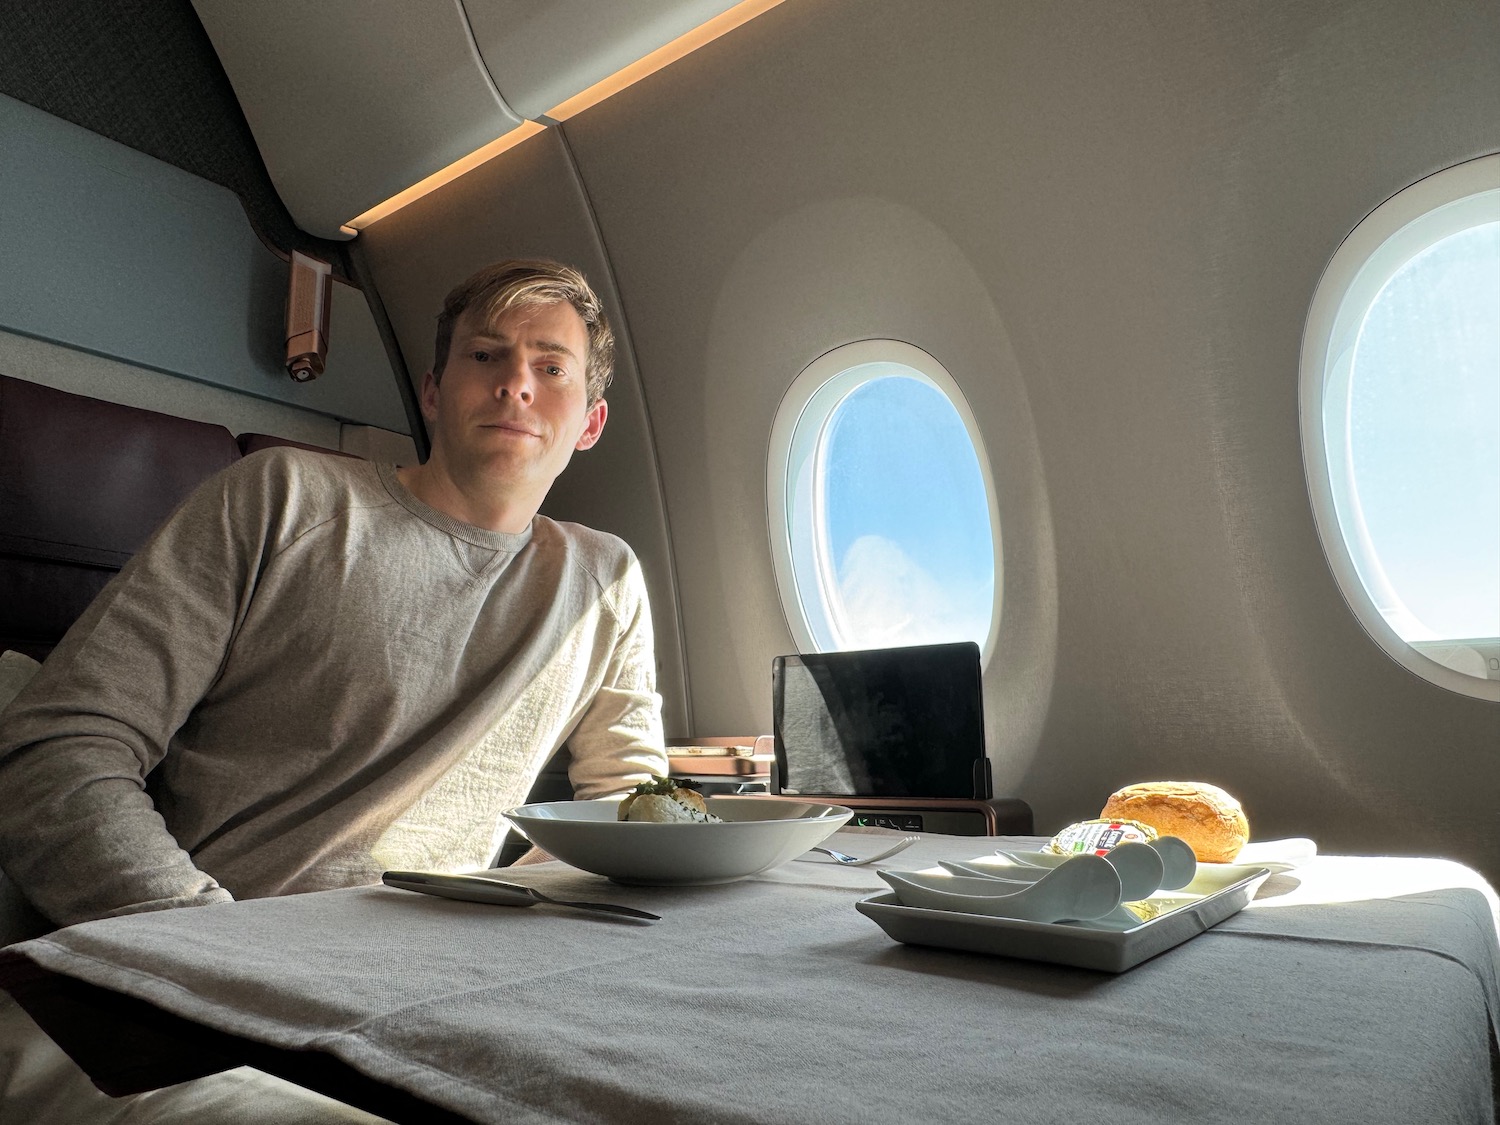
[(482, 356), (553, 369)]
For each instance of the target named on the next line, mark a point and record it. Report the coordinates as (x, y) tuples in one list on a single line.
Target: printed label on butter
[(1100, 836)]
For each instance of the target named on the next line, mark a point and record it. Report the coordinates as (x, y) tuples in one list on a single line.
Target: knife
[(480, 888)]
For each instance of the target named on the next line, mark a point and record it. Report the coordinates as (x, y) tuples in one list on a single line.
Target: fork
[(854, 861)]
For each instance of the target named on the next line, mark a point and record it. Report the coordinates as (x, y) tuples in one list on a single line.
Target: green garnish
[(663, 786)]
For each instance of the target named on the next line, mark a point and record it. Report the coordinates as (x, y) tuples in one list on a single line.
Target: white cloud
[(888, 599)]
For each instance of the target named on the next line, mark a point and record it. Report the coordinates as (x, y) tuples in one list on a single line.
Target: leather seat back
[(83, 484)]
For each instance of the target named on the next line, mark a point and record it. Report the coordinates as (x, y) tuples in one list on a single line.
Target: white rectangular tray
[(1216, 893)]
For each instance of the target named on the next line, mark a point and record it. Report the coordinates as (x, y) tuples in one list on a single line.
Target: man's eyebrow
[(555, 348), (471, 338), (551, 347)]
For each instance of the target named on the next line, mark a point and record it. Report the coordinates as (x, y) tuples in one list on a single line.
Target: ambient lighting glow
[(684, 44), (665, 55), (442, 176)]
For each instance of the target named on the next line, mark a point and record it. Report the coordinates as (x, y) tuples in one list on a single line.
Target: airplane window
[(883, 523), (1401, 420)]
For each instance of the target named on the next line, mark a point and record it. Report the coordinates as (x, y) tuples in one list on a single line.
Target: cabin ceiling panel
[(542, 53), (353, 101)]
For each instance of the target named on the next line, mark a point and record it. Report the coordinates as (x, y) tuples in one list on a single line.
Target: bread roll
[(1207, 818)]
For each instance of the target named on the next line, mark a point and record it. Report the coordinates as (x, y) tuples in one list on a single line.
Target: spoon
[(1179, 863), (1130, 914), (1085, 887), (1139, 867), (1045, 860), (1021, 876)]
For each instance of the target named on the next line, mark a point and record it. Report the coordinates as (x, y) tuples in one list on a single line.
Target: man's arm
[(79, 834), (619, 741)]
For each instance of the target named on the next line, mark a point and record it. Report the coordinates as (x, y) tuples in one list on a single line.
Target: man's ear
[(594, 425), (429, 396)]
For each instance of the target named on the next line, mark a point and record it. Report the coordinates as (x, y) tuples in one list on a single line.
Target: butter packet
[(1099, 836)]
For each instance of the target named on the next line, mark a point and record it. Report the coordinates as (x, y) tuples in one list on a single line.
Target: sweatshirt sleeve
[(619, 741), (79, 833)]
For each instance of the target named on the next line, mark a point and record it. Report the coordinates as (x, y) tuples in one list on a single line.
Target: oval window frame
[(812, 398), (1406, 224)]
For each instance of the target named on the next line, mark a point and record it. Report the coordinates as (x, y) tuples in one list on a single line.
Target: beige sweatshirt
[(308, 676)]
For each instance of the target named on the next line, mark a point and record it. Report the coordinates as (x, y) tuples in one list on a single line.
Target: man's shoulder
[(297, 459), (287, 490), (293, 470), (585, 542), (606, 558)]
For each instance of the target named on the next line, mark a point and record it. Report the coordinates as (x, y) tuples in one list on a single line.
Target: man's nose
[(514, 380)]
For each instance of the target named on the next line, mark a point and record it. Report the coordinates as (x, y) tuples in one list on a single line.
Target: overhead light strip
[(442, 176), (626, 76)]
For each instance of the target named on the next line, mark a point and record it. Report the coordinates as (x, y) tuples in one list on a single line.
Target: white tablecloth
[(1353, 990)]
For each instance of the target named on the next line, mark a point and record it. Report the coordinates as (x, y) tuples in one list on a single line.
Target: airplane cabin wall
[(1107, 220)]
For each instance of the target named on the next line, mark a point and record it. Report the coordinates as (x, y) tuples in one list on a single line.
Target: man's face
[(512, 403)]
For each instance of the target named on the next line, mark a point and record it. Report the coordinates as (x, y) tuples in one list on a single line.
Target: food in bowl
[(749, 835), (1209, 819), (666, 800)]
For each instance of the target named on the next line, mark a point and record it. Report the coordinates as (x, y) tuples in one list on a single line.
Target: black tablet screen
[(896, 722)]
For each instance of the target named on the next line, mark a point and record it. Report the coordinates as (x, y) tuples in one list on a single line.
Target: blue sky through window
[(906, 519), (1424, 435)]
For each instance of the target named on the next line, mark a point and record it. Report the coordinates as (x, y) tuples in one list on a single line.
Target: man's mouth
[(510, 427)]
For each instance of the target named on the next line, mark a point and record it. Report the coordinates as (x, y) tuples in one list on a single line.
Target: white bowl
[(756, 834)]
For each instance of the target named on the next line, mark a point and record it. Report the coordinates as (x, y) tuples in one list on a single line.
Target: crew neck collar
[(479, 536)]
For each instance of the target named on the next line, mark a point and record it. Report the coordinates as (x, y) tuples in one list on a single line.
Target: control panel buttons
[(901, 822)]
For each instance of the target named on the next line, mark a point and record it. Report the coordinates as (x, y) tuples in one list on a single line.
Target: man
[(319, 668)]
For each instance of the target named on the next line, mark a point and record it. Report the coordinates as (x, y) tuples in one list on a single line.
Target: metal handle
[(478, 888)]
